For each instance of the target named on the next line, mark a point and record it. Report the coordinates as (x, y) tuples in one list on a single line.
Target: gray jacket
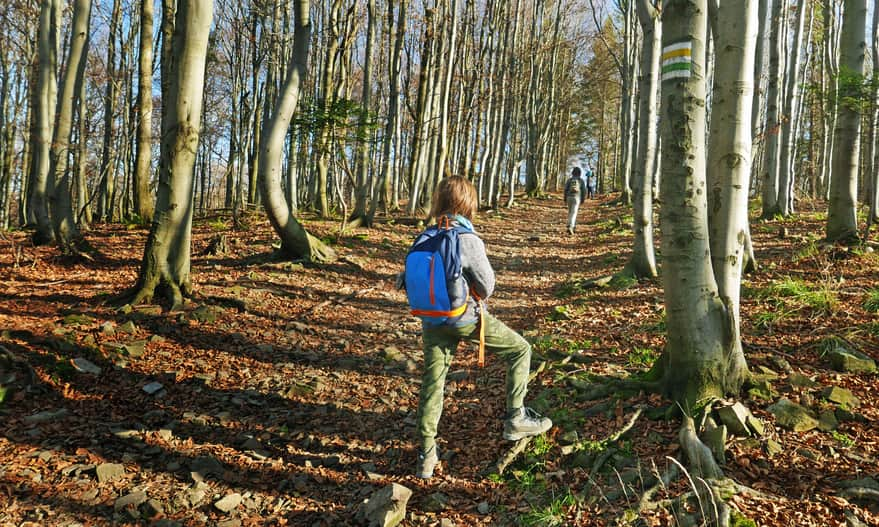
[(477, 274)]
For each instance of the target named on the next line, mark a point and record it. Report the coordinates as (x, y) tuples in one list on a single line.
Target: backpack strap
[(445, 222)]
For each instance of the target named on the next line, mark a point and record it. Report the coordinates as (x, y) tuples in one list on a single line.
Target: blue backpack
[(432, 265)]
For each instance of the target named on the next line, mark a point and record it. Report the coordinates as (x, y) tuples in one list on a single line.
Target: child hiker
[(454, 204)]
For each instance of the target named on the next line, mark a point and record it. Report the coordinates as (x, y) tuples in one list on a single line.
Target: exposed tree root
[(702, 462), (508, 457), (605, 386), (646, 503), (146, 290), (860, 493), (610, 450)]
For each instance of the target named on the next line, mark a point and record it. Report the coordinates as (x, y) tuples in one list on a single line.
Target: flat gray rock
[(153, 388), (83, 365), (133, 499), (841, 396), (735, 417), (386, 507), (228, 502), (851, 361), (109, 471), (792, 416), (204, 466)]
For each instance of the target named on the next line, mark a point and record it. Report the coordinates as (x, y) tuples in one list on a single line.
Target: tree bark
[(729, 163), (108, 156), (842, 221), (770, 164), (44, 117), (786, 177), (642, 263), (873, 194), (364, 134), (166, 260), (143, 199), (695, 364), (295, 241), (63, 220)]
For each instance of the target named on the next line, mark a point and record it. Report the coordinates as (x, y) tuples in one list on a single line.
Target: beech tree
[(166, 260), (700, 359), (45, 94), (729, 167), (873, 157), (786, 167), (842, 220), (773, 112), (642, 263), (143, 199), (295, 241), (63, 220)]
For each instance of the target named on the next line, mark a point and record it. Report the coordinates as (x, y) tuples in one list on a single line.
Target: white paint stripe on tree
[(676, 74)]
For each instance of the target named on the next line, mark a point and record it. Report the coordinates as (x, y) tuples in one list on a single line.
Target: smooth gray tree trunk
[(361, 192), (390, 147), (698, 361), (108, 155), (143, 199), (842, 220), (166, 261), (873, 194), (63, 219), (295, 241), (642, 263), (729, 161), (786, 177), (46, 90), (773, 114)]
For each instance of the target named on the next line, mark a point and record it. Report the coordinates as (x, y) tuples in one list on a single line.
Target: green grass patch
[(566, 346), (811, 250), (622, 282), (642, 357), (572, 287), (552, 515), (842, 438), (218, 224), (830, 343), (871, 303), (540, 446), (798, 294), (767, 319), (529, 479)]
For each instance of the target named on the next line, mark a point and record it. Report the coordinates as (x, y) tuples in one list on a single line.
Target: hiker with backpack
[(591, 181), (575, 193), (448, 278)]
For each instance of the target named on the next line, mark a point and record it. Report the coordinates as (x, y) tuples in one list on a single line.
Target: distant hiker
[(575, 193), (447, 279), (591, 183)]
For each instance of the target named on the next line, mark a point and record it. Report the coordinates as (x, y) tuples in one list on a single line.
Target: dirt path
[(287, 394)]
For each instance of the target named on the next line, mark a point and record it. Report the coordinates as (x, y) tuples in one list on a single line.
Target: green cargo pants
[(440, 344)]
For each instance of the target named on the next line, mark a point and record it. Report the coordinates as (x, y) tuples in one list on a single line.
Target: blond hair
[(454, 195)]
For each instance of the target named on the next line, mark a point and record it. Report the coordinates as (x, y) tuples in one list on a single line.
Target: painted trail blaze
[(677, 61)]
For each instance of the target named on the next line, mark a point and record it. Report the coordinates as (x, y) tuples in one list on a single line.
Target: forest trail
[(286, 395)]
